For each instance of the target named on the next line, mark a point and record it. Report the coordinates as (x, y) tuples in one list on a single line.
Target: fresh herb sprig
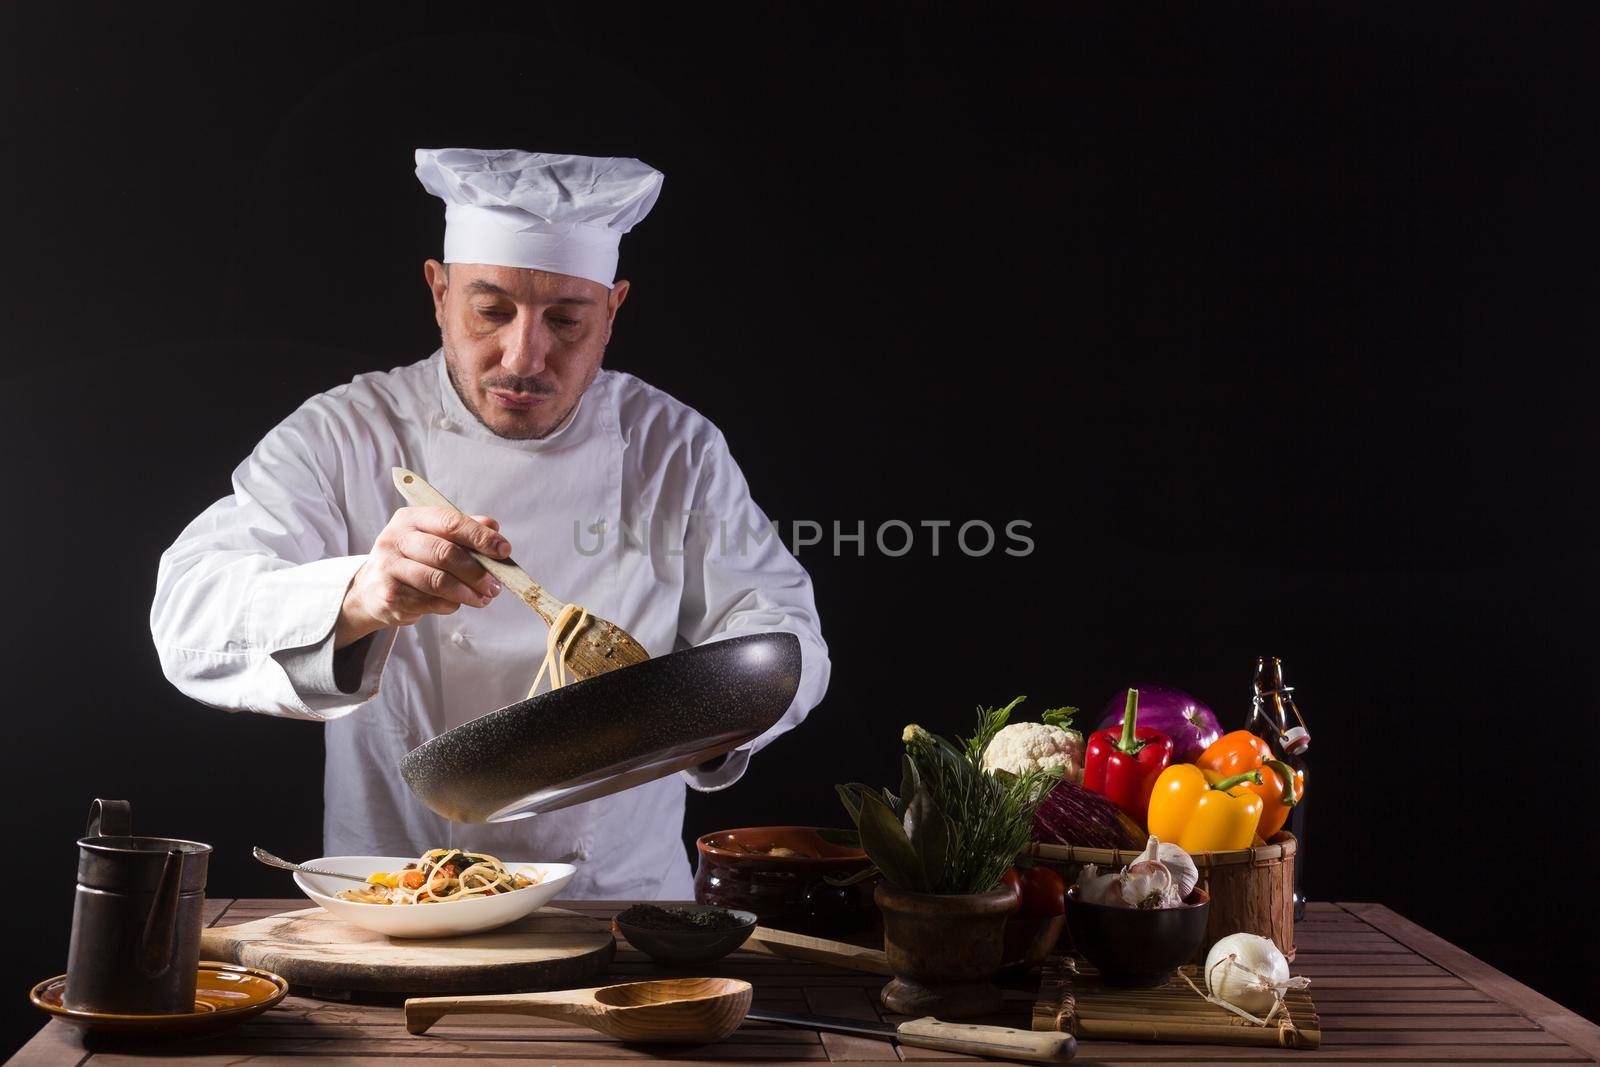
[(955, 828)]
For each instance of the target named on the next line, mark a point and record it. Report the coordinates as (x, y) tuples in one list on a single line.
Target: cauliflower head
[(1027, 746)]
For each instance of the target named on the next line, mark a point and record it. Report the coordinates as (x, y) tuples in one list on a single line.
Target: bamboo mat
[(1072, 999)]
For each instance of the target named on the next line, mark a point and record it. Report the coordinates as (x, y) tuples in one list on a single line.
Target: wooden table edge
[(55, 1038), (1568, 1025)]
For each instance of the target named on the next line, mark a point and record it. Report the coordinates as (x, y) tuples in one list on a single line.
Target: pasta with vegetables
[(440, 876)]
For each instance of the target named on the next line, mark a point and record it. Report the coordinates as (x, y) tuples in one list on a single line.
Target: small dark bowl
[(685, 948), (1134, 947)]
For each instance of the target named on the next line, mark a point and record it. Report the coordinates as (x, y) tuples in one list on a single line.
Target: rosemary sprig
[(955, 828)]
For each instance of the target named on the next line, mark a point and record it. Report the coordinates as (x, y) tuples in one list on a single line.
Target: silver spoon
[(273, 861)]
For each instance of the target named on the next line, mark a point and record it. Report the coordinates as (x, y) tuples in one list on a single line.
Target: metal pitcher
[(136, 920)]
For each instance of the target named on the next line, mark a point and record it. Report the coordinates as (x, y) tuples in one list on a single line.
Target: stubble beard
[(450, 365)]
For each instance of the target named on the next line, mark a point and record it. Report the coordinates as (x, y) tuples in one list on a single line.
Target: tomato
[(1043, 893), (1012, 881)]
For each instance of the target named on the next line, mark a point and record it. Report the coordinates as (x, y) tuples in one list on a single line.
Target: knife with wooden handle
[(995, 1042), (601, 645)]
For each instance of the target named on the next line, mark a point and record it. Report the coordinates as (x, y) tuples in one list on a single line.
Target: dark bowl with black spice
[(683, 934)]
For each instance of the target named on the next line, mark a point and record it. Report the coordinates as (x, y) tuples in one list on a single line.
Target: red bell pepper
[(1123, 766)]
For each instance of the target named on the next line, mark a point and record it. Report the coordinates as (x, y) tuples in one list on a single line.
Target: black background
[(1277, 323)]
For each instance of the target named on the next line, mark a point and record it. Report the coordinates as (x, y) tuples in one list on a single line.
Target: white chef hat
[(564, 214)]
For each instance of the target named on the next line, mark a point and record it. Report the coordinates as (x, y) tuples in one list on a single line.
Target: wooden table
[(1387, 992)]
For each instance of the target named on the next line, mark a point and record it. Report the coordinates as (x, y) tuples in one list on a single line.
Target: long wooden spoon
[(682, 1010), (697, 1010), (600, 646)]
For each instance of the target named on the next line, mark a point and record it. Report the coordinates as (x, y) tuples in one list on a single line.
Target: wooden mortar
[(944, 951)]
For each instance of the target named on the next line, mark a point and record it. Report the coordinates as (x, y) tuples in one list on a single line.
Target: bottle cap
[(1296, 740)]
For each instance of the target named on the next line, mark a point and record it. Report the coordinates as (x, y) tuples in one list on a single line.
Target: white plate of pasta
[(442, 893)]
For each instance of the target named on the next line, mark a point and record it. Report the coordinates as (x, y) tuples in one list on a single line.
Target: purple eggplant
[(1189, 723), (1071, 815)]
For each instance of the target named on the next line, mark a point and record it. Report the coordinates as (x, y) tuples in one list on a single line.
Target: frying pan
[(607, 733)]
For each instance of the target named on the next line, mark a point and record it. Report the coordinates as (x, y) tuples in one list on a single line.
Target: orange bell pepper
[(1201, 811), (1281, 786)]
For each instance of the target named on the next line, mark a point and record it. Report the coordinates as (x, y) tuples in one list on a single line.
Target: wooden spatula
[(600, 646)]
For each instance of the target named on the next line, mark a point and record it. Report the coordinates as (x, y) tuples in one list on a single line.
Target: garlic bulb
[(1146, 882), (1185, 875), (1161, 877), (1246, 974), (1094, 887)]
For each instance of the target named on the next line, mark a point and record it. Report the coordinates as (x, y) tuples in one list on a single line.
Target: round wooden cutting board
[(549, 949)]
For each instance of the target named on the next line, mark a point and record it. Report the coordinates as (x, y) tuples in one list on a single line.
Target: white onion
[(1247, 973)]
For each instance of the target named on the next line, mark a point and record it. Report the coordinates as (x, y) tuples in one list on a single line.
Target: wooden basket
[(1252, 889)]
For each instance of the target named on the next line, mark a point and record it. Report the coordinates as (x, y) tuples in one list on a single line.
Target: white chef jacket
[(634, 509)]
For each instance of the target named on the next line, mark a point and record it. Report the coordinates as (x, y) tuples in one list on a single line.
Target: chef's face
[(521, 345)]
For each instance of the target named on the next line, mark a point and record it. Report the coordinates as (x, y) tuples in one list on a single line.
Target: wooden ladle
[(601, 645), (682, 1010)]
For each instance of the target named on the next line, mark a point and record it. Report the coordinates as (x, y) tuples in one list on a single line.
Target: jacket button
[(458, 638)]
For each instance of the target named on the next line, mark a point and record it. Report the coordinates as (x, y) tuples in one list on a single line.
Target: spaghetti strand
[(556, 652)]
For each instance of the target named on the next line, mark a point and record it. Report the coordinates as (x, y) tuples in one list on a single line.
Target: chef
[(313, 592)]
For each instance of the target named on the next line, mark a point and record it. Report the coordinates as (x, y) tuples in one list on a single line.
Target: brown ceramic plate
[(224, 995)]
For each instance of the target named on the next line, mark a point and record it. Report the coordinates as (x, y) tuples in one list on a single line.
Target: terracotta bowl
[(779, 872), (1136, 947)]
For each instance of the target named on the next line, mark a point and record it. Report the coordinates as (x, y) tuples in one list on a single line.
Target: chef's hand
[(419, 565)]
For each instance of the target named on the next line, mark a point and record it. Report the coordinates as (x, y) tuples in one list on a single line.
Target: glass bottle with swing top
[(1275, 719)]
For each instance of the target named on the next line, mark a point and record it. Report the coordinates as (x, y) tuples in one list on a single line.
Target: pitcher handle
[(110, 818), (159, 943)]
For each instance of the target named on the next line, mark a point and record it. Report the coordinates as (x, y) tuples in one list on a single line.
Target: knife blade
[(998, 1042), (835, 1023)]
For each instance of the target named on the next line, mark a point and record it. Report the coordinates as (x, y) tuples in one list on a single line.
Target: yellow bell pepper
[(1201, 811)]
